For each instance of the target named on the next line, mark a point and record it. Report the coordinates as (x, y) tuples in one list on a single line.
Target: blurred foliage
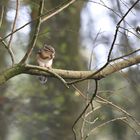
[(40, 112)]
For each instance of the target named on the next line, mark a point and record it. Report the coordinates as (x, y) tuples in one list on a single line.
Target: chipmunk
[(45, 58)]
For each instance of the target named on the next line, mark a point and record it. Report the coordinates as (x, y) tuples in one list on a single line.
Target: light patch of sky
[(95, 15), (95, 18), (20, 38), (100, 16), (23, 18)]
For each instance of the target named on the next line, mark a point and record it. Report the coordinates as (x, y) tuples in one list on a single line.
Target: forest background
[(87, 36)]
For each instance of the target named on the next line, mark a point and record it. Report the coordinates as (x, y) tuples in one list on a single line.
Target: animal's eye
[(46, 50), (39, 51)]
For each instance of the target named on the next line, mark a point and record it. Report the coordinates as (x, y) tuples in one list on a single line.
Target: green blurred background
[(31, 111)]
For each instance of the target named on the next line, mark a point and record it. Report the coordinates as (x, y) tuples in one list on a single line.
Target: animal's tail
[(42, 79)]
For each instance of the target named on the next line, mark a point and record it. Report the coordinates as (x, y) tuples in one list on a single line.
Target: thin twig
[(9, 50), (128, 123), (13, 28), (82, 94), (84, 110), (91, 122), (85, 115), (119, 108), (126, 55), (18, 29), (90, 112), (130, 32), (88, 85), (103, 124), (14, 23), (46, 14), (1, 16), (111, 48), (37, 28), (104, 5), (126, 5), (117, 29), (61, 8)]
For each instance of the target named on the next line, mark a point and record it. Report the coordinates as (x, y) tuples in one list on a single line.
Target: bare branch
[(85, 109), (117, 29), (128, 123), (69, 74), (126, 55), (2, 13), (13, 28), (111, 48), (103, 4), (107, 70), (79, 91), (18, 29), (9, 50), (33, 42), (105, 101), (50, 72), (47, 15), (58, 9), (3, 42), (103, 124), (128, 30), (14, 23), (62, 7)]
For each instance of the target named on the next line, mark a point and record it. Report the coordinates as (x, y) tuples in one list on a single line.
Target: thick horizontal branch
[(67, 74), (70, 74)]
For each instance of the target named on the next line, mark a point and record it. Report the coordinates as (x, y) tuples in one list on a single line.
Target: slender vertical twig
[(1, 16), (13, 28), (85, 109), (88, 84), (37, 28), (14, 23), (9, 51)]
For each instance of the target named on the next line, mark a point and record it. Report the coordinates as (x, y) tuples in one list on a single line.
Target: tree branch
[(44, 16), (1, 15), (48, 71), (31, 47), (67, 74), (117, 29), (58, 9), (13, 28), (9, 50)]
